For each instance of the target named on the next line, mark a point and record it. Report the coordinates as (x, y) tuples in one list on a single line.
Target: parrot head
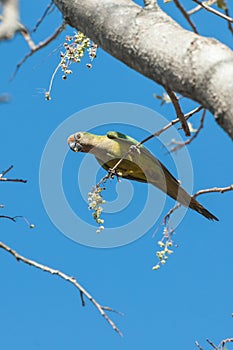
[(80, 142)]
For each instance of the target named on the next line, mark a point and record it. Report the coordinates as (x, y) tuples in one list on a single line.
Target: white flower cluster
[(75, 47), (164, 252), (95, 200)]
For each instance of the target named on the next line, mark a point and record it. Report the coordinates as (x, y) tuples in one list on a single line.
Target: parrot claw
[(112, 173)]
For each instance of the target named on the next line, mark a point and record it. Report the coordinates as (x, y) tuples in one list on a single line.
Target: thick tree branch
[(156, 46), (72, 280)]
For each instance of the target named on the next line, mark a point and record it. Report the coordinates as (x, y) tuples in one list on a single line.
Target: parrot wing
[(144, 152)]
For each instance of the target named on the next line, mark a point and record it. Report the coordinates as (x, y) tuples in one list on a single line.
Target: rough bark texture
[(152, 43)]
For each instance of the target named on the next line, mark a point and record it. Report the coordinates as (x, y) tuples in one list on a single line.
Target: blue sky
[(190, 298)]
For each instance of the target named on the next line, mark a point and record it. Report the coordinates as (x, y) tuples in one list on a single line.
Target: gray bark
[(152, 43)]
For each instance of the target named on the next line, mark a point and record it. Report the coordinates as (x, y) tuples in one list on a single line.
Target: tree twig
[(186, 15), (198, 193), (168, 215), (40, 20), (225, 341), (212, 344), (216, 12), (214, 189), (199, 7), (178, 110), (38, 47), (7, 179), (169, 125), (65, 277), (198, 345), (226, 10), (179, 144), (12, 218)]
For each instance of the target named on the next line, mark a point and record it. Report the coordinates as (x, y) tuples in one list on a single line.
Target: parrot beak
[(74, 146)]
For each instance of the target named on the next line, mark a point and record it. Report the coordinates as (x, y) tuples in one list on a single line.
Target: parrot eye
[(77, 136)]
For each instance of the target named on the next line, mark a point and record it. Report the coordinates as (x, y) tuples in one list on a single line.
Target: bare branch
[(216, 12), (186, 15), (199, 7), (178, 110), (168, 215), (209, 190), (179, 144), (7, 179), (214, 189), (65, 277), (228, 15), (169, 125), (212, 344), (4, 172), (225, 341), (40, 20), (198, 345), (39, 46), (10, 19), (8, 217)]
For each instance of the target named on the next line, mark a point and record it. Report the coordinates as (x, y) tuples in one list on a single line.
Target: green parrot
[(139, 164)]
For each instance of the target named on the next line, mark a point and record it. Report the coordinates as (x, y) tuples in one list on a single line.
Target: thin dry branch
[(12, 218), (199, 7), (212, 344), (39, 46), (225, 341), (10, 180), (169, 125), (214, 189), (40, 20), (178, 110), (198, 193), (216, 12), (168, 215), (226, 10), (179, 144), (72, 280), (198, 345), (186, 15)]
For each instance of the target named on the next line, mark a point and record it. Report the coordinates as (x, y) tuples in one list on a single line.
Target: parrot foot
[(114, 172)]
